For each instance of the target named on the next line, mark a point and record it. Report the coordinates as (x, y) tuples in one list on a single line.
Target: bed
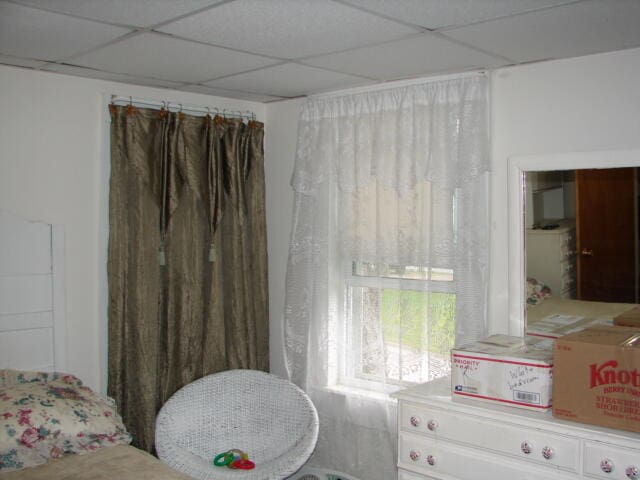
[(547, 314), (119, 462), (577, 308), (51, 424)]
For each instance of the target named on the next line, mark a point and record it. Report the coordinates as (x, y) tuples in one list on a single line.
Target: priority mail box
[(597, 377), (505, 370)]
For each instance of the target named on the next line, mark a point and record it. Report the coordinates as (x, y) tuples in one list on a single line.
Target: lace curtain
[(388, 260)]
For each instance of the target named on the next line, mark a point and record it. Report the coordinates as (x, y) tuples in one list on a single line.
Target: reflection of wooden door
[(606, 234)]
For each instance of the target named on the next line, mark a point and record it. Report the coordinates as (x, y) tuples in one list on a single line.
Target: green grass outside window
[(418, 320)]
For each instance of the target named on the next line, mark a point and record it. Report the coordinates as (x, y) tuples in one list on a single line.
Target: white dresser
[(442, 439), (551, 258)]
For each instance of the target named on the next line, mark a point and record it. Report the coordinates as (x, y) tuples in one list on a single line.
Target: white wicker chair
[(269, 418)]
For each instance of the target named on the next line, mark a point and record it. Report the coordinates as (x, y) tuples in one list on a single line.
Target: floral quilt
[(48, 415), (536, 291)]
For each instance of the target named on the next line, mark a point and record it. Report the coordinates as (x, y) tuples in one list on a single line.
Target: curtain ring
[(163, 111), (130, 108)]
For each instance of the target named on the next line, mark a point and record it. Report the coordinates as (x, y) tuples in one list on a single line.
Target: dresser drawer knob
[(431, 460), (606, 465), (413, 455), (432, 425), (415, 421), (526, 448), (633, 472), (548, 453)]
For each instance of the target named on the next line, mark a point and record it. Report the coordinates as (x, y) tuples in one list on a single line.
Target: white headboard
[(32, 295)]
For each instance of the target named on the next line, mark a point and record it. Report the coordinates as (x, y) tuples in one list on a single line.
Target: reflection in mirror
[(581, 241)]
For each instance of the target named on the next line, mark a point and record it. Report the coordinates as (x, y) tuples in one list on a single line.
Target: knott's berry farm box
[(630, 318), (505, 370), (597, 377)]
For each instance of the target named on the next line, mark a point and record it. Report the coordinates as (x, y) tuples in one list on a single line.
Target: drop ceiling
[(267, 50)]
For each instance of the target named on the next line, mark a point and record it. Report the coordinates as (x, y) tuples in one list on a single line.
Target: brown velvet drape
[(187, 260)]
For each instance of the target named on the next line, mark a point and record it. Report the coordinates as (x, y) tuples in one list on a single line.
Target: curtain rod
[(400, 84), (179, 107)]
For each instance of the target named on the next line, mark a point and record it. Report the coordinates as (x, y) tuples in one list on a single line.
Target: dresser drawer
[(568, 244), (404, 475), (484, 433), (568, 293), (567, 272), (441, 459), (611, 462)]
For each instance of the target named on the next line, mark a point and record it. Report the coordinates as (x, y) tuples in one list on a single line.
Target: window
[(399, 324)]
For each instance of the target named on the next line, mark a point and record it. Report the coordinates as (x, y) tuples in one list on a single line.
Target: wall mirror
[(573, 236)]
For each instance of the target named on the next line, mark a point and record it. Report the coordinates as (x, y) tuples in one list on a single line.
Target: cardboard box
[(630, 318), (506, 370), (597, 377)]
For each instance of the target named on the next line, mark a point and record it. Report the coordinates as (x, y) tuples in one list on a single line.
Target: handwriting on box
[(520, 376)]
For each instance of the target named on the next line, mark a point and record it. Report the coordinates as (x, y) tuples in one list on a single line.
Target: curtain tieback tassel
[(162, 261)]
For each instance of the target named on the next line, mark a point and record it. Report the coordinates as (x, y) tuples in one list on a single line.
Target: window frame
[(349, 367)]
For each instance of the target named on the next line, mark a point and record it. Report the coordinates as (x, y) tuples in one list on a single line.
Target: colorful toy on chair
[(235, 459)]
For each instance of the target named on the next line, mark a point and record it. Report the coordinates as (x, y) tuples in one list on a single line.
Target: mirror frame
[(518, 165)]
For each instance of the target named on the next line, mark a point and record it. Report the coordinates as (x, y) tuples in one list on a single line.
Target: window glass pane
[(399, 336), (411, 272)]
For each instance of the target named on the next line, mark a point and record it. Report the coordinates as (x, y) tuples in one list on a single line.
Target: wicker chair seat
[(269, 418)]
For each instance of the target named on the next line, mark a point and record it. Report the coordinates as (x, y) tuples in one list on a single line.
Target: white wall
[(52, 169), (280, 147), (583, 104)]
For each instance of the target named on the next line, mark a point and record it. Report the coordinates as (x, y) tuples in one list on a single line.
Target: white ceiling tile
[(21, 62), (582, 28), (287, 28), (288, 80), (434, 14), (167, 58), (223, 92), (141, 13), (420, 55), (114, 77), (30, 33)]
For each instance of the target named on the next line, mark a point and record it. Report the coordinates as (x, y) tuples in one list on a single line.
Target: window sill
[(349, 391)]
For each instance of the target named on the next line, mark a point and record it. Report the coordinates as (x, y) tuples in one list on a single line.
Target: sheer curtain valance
[(388, 255)]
